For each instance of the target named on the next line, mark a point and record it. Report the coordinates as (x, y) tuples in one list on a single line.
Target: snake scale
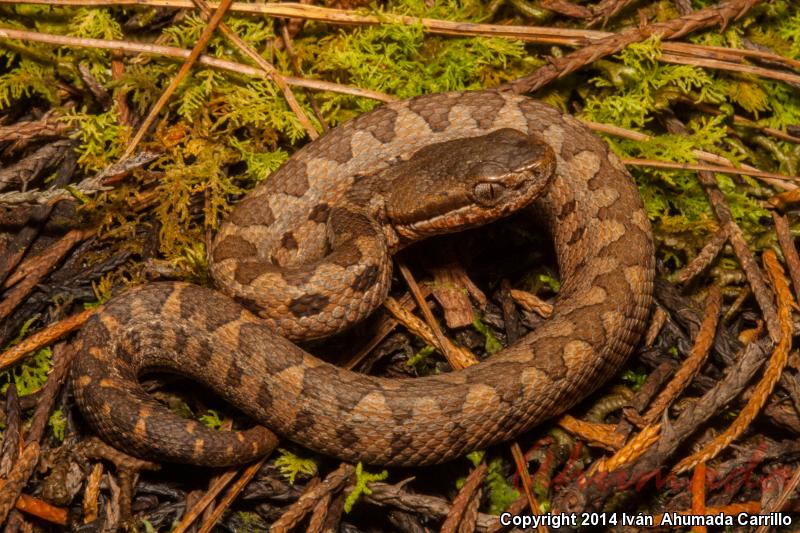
[(309, 251)]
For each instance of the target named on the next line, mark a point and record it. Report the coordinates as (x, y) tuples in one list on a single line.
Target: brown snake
[(309, 248)]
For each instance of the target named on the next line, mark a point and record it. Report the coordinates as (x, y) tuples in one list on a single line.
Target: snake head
[(462, 183)]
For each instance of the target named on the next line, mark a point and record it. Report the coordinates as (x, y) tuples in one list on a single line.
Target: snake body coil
[(312, 245)]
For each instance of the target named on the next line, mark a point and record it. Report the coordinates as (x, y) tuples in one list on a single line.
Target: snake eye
[(488, 192)]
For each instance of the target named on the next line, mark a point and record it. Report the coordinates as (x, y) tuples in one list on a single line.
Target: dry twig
[(464, 497), (198, 48), (771, 375), (332, 483), (690, 367), (719, 14)]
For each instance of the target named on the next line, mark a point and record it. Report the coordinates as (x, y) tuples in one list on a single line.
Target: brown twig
[(464, 497), (91, 493), (525, 478), (708, 168), (701, 155), (191, 515), (198, 48), (41, 265), (332, 483), (592, 432), (316, 522), (658, 319), (31, 167), (703, 259), (11, 488), (180, 53), (266, 66), (436, 508), (458, 357), (719, 14), (698, 354), (47, 126), (40, 509), (784, 496), (43, 337), (531, 302), (789, 250), (606, 9), (286, 38), (699, 494), (771, 375), (62, 357), (736, 237), (231, 495)]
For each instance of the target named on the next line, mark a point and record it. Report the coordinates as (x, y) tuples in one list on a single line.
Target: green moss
[(292, 465), (363, 478), (492, 345)]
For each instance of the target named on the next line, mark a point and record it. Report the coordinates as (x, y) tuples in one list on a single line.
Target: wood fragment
[(510, 317), (451, 288), (34, 507), (566, 8), (470, 517), (769, 177), (657, 321), (784, 496), (457, 356), (62, 358), (47, 126), (91, 493), (316, 522), (531, 302), (31, 167), (606, 9), (785, 200), (94, 448), (595, 434)]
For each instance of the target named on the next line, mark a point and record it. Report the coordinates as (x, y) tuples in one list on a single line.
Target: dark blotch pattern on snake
[(309, 251)]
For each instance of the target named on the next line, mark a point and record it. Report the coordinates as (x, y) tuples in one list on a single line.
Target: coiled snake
[(309, 248)]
